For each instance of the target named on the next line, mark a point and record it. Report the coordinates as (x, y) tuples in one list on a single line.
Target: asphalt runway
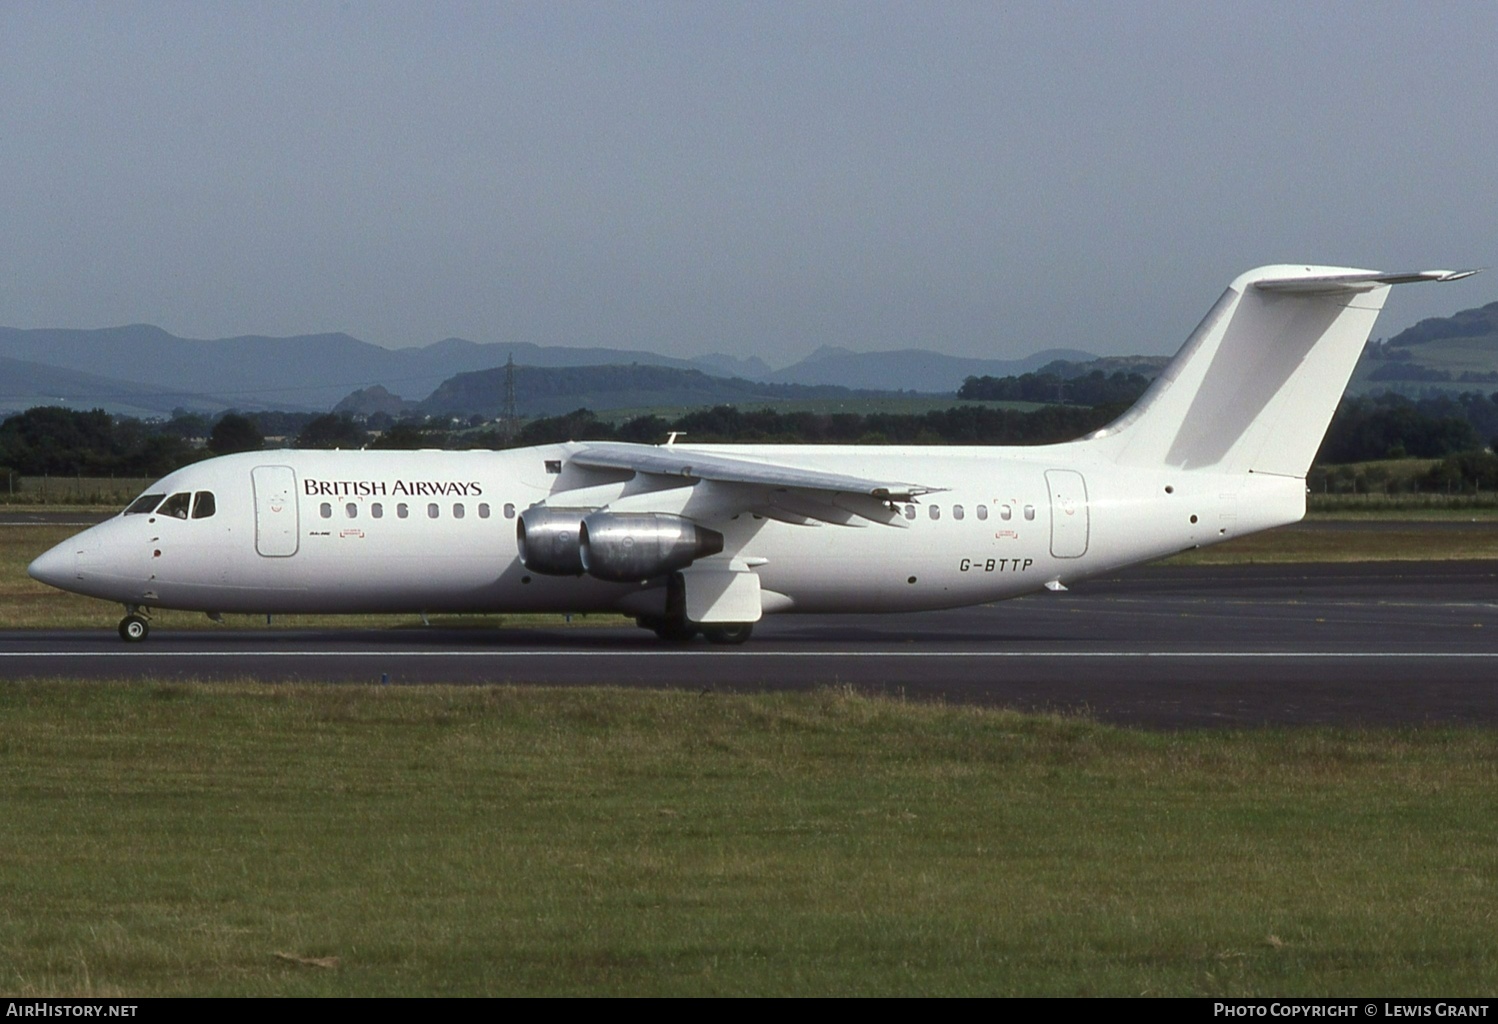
[(1393, 643)]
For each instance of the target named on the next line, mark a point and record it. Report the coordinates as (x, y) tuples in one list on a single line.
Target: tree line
[(1095, 388), (56, 441)]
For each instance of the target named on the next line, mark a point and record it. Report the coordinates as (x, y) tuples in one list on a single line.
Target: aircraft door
[(1069, 516), (276, 529)]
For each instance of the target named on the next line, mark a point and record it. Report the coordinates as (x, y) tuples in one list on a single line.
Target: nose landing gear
[(134, 627)]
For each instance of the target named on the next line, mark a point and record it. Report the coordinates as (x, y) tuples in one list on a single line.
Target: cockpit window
[(144, 504), (176, 506), (203, 505)]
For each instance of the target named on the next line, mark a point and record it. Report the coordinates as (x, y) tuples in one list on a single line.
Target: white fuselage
[(331, 531)]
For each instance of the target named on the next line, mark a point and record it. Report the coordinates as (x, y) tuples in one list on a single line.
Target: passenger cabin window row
[(182, 505), (201, 505), (1006, 512), (403, 510)]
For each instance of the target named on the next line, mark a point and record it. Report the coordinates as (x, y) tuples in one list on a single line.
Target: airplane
[(695, 539)]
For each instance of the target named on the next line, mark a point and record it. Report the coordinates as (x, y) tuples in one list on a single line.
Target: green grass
[(214, 839), (1375, 513), (1404, 505), (72, 492), (1395, 542)]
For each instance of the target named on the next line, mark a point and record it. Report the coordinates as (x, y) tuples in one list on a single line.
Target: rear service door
[(1069, 519), (276, 529)]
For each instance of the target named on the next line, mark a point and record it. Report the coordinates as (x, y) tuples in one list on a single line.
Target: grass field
[(1407, 505), (244, 839), (1394, 541), (106, 492), (254, 840)]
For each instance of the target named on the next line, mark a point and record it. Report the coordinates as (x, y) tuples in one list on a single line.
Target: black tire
[(728, 632), (675, 631), (134, 629)]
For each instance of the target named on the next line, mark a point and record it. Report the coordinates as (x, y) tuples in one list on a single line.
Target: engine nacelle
[(549, 540), (626, 547)]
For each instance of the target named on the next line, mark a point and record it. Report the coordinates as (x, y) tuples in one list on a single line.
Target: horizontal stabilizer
[(1354, 282)]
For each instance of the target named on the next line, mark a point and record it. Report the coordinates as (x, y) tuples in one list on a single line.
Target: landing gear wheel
[(676, 631), (668, 628), (728, 632), (134, 629)]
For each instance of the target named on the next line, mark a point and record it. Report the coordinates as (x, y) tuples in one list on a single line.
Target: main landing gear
[(134, 627), (675, 628), (728, 632), (680, 630)]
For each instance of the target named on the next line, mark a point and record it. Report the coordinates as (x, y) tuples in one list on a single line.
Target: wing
[(698, 465), (777, 490)]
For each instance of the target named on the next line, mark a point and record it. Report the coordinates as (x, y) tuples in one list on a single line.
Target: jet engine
[(548, 540), (626, 547)]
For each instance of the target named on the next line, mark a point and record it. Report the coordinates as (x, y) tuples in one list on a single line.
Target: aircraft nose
[(55, 567)]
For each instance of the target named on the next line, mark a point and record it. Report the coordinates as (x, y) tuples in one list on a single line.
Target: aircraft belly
[(929, 566)]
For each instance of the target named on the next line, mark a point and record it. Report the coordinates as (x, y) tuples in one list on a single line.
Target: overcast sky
[(761, 178)]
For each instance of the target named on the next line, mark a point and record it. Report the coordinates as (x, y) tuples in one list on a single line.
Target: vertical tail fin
[(1255, 386)]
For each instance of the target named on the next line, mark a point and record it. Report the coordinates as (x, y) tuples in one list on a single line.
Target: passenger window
[(458, 510), (1029, 511), (509, 511), (351, 510), (401, 510), (909, 511), (203, 505), (377, 511), (325, 510), (145, 503), (935, 512), (483, 510), (433, 510), (982, 511), (957, 512), (176, 506), (1005, 512)]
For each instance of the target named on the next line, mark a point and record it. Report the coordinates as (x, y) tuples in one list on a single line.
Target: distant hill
[(314, 372), (372, 400), (721, 365), (1481, 322), (25, 385), (547, 391), (1438, 355), (307, 372), (251, 372), (141, 370), (910, 369)]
